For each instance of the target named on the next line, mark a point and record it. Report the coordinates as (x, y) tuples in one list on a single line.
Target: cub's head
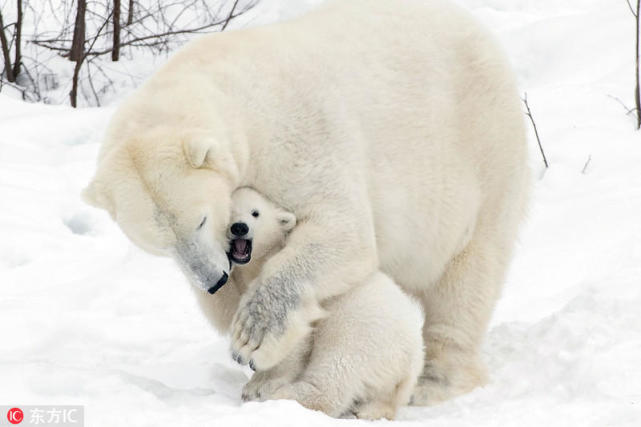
[(257, 226), (171, 195)]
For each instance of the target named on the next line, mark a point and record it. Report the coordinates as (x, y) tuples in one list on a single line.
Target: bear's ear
[(199, 151), (208, 153), (286, 220)]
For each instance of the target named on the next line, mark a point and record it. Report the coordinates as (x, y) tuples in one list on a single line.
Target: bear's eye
[(202, 223), (255, 213)]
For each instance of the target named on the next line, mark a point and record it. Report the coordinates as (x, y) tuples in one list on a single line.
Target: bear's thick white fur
[(393, 131), (366, 350)]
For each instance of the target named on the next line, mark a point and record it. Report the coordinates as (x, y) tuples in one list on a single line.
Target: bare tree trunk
[(4, 44), (637, 95), (18, 53), (78, 43), (73, 95), (77, 52), (115, 50), (130, 13)]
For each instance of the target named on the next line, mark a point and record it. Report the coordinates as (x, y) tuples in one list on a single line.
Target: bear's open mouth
[(241, 251)]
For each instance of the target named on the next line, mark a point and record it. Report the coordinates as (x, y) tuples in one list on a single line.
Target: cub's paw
[(310, 397), (262, 386)]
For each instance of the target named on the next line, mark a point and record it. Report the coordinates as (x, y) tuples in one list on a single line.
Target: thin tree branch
[(229, 17), (637, 88), (585, 166), (536, 132), (628, 110), (631, 8), (93, 89)]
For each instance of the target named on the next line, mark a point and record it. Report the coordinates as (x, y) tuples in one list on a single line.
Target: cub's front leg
[(263, 384)]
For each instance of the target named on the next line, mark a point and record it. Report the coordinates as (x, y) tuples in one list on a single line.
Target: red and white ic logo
[(15, 415)]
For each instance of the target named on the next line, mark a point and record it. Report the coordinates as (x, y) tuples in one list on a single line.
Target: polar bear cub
[(362, 358)]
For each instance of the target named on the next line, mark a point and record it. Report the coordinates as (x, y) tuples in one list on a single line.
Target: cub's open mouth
[(241, 251)]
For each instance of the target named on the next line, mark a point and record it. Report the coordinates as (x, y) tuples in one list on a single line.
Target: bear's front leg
[(269, 323), (277, 312)]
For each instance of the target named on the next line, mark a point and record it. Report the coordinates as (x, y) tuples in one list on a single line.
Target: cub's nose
[(239, 229)]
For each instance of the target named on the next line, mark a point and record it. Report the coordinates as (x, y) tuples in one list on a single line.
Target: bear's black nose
[(219, 285), (239, 229)]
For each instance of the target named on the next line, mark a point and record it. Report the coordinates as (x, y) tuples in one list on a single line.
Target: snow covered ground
[(86, 318)]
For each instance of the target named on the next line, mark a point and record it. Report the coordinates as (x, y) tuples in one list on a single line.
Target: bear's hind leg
[(375, 410), (457, 311)]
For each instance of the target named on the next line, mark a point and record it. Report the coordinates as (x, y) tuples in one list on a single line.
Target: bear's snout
[(239, 229)]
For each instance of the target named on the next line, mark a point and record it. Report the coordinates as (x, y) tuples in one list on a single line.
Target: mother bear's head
[(170, 192)]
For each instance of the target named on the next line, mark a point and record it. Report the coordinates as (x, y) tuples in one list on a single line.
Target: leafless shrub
[(86, 30)]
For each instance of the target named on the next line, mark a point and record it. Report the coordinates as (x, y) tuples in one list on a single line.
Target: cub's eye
[(255, 213), (202, 223)]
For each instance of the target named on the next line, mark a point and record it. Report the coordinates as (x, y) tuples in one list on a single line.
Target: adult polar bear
[(392, 129)]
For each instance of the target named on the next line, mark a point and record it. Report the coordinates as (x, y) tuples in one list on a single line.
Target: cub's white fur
[(366, 350), (392, 129)]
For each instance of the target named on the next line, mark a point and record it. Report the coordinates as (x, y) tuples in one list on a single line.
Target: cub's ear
[(200, 151), (287, 220), (96, 196)]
